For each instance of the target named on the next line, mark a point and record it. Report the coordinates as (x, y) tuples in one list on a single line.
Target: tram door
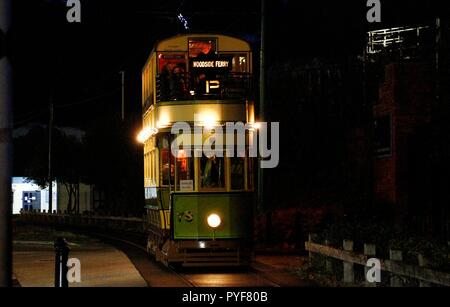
[(31, 200)]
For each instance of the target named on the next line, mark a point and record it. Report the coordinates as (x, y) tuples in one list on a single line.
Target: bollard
[(62, 250)]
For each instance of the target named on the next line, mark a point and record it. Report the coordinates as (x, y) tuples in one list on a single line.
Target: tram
[(199, 206)]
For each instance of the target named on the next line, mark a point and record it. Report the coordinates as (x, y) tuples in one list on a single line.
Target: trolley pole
[(5, 148)]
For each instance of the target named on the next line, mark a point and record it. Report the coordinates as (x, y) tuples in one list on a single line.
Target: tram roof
[(180, 42)]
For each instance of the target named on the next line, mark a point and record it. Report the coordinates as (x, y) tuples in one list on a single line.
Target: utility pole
[(123, 94), (50, 174), (262, 82), (262, 118), (5, 148)]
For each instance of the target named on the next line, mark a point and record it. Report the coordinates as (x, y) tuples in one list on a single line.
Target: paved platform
[(101, 265)]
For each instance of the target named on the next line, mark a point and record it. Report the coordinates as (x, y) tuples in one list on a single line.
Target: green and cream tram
[(199, 206)]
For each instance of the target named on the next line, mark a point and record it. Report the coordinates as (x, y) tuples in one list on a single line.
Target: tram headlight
[(214, 220)]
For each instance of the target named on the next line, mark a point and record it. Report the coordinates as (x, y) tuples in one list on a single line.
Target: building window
[(383, 136)]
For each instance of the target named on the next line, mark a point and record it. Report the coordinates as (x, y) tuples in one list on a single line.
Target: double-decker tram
[(199, 203)]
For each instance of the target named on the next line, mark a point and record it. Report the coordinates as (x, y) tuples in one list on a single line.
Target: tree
[(31, 160), (115, 165)]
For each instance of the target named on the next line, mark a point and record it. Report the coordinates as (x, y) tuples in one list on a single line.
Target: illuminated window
[(212, 173), (239, 63), (167, 165), (202, 47), (173, 83), (185, 173)]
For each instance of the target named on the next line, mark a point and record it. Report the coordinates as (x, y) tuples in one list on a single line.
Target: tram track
[(203, 277)]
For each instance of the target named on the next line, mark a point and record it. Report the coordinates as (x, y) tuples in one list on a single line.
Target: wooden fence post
[(311, 238), (349, 274), (423, 262), (328, 263), (370, 252), (394, 255)]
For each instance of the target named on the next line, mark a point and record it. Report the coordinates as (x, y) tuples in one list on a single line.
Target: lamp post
[(123, 96), (262, 81), (50, 174), (262, 118), (5, 148)]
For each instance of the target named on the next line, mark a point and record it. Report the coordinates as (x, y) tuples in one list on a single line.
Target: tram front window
[(212, 173)]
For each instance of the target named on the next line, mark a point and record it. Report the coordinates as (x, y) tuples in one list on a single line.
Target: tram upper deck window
[(199, 47), (172, 76), (239, 64)]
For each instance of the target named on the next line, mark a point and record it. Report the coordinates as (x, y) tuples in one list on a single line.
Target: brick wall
[(406, 96)]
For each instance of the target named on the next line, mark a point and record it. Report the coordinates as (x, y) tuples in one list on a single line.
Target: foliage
[(68, 154), (386, 236), (314, 270), (106, 157), (114, 164)]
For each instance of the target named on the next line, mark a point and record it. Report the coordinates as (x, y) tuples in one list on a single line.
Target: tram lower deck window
[(237, 173), (185, 173), (167, 166), (212, 172)]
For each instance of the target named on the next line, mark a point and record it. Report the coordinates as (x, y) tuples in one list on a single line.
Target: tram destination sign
[(213, 64)]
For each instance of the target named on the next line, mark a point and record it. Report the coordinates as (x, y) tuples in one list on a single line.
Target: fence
[(395, 265)]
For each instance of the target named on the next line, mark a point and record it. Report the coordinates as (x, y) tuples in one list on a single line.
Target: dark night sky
[(81, 62)]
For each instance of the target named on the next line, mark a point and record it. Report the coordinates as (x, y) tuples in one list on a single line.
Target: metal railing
[(123, 223)]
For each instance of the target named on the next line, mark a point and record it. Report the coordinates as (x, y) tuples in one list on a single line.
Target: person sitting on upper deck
[(177, 83), (164, 79)]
